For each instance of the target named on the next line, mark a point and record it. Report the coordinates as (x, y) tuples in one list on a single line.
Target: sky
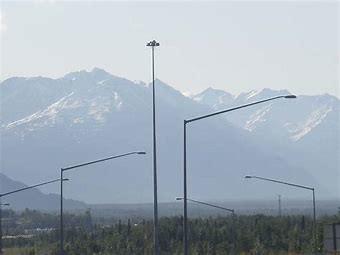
[(231, 45)]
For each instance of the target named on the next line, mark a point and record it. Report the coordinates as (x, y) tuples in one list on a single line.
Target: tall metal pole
[(314, 222), (155, 199), (154, 44), (234, 237), (185, 197), (61, 213), (0, 228), (280, 210)]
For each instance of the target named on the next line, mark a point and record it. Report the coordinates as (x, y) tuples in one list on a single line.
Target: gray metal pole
[(61, 214), (155, 199), (234, 237), (280, 209), (314, 223), (154, 44), (0, 228), (185, 218)]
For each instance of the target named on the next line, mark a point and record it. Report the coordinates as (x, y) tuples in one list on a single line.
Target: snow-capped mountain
[(295, 117), (48, 123), (305, 131)]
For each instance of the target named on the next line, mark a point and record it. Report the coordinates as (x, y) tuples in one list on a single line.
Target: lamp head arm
[(236, 108)]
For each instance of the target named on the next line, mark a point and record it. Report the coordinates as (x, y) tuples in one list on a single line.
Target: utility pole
[(280, 209)]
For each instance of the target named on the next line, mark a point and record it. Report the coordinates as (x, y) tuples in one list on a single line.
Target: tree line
[(252, 234)]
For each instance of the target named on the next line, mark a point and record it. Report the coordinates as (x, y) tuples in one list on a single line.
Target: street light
[(185, 197), (296, 186), (62, 170), (154, 44), (207, 204), (16, 191), (232, 211)]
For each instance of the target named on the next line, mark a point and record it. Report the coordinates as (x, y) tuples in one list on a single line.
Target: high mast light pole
[(154, 44)]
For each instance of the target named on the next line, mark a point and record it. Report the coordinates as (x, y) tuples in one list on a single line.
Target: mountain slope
[(33, 198)]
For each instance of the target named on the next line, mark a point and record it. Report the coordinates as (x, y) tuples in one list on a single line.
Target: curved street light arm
[(207, 204), (101, 160), (211, 205), (281, 182), (29, 187), (236, 108)]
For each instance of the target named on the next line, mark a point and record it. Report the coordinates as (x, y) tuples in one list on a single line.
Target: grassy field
[(26, 251)]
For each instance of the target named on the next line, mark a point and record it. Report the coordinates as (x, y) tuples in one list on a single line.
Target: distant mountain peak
[(211, 90), (262, 94), (96, 74), (214, 97)]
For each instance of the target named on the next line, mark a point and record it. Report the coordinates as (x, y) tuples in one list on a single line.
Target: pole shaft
[(314, 223), (185, 218), (61, 215), (155, 202), (0, 228), (234, 237), (280, 209)]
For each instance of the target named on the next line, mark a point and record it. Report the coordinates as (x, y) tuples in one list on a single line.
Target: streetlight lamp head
[(65, 179), (179, 198), (290, 96), (141, 152), (153, 43), (247, 177)]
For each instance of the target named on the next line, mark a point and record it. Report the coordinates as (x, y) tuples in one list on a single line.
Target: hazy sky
[(235, 46)]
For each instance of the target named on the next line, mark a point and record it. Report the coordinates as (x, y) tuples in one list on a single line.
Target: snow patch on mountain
[(253, 93), (99, 107), (72, 108), (257, 118), (314, 119), (49, 113)]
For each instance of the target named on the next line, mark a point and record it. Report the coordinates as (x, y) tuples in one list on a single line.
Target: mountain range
[(49, 123)]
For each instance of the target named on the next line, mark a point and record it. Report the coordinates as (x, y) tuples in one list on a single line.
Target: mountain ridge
[(33, 198)]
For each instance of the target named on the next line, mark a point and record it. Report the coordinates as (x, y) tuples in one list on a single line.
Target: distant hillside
[(33, 198)]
